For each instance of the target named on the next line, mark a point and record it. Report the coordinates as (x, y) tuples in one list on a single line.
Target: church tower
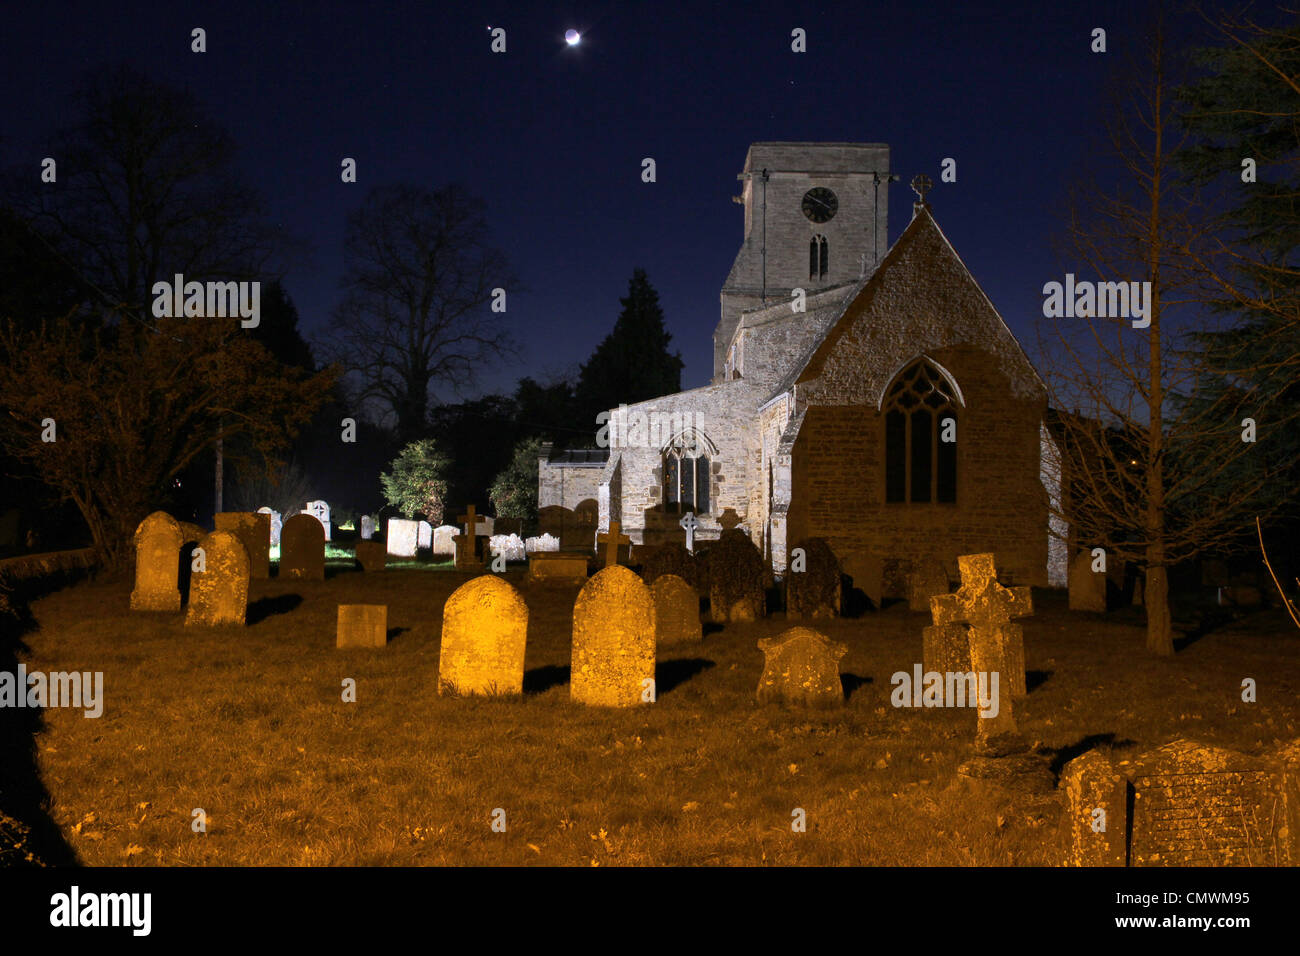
[(815, 217)]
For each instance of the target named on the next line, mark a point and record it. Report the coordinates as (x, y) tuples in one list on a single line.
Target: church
[(869, 396)]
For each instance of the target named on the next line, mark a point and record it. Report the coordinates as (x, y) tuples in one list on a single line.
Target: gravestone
[(557, 567), (302, 548), (484, 631), (1087, 587), (219, 593), (362, 625), (321, 512), (814, 592), (158, 541), (424, 535), (671, 558), (1186, 804), (677, 612), (402, 537), (542, 542), (467, 553), (276, 524), (736, 579), (614, 624), (367, 527), (253, 529), (988, 608), (510, 545), (191, 533), (867, 573), (444, 542), (801, 666), (613, 541), (926, 579), (372, 555)]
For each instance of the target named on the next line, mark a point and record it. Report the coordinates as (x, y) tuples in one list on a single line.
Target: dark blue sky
[(552, 137)]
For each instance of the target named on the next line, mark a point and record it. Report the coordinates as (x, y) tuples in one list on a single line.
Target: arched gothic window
[(686, 476), (818, 257), (921, 436)]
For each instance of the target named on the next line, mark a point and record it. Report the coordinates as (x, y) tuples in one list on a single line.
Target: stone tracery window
[(920, 410), (686, 476)]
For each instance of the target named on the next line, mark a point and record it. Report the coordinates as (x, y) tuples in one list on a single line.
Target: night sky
[(553, 137)]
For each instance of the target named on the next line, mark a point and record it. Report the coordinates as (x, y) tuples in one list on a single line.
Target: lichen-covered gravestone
[(362, 625), (677, 612), (158, 541), (302, 548), (736, 579), (403, 536), (801, 666), (1087, 587), (926, 579), (219, 591), (253, 529), (813, 587), (613, 661), (484, 633)]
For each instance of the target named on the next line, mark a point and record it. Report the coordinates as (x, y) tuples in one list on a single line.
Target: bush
[(417, 483)]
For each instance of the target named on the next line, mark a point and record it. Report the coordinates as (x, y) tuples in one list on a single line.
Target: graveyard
[(250, 722)]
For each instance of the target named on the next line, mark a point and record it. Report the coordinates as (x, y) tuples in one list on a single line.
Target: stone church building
[(873, 397)]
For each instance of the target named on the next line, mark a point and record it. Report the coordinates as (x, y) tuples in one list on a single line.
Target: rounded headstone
[(484, 632), (158, 540), (302, 548), (613, 640)]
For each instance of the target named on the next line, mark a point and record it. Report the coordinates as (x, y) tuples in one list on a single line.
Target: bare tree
[(418, 291), (1143, 465)]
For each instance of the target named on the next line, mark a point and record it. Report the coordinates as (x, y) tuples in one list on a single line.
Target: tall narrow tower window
[(818, 257)]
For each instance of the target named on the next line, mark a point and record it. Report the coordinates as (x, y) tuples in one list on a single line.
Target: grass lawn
[(249, 724)]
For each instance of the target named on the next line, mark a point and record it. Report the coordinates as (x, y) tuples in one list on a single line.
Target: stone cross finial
[(980, 601), (611, 540), (921, 185), (690, 523)]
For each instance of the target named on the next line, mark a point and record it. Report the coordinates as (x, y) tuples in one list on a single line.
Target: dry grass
[(249, 725)]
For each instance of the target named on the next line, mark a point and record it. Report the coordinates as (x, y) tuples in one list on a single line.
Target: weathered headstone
[(158, 543), (253, 529), (362, 625), (801, 666), (677, 612), (1087, 587), (509, 545), (1187, 804), (402, 537), (812, 584), (367, 527), (612, 541), (736, 579), (988, 608), (276, 524), (927, 579), (614, 623), (484, 631), (424, 535), (543, 542), (558, 567), (372, 555), (444, 543), (321, 511), (302, 548), (219, 592), (670, 558)]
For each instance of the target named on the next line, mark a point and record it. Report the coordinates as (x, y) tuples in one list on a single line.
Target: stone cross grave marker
[(467, 544), (996, 645), (611, 540), (690, 523), (158, 542)]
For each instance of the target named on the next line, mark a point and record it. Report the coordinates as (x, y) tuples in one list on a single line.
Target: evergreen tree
[(514, 491), (633, 362)]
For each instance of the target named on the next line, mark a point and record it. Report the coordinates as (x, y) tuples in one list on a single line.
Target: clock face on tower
[(819, 204)]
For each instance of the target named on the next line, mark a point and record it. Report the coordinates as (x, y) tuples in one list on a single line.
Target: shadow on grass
[(263, 608), (394, 632), (1036, 679), (1063, 755), (669, 674), (541, 679), (22, 793), (851, 682)]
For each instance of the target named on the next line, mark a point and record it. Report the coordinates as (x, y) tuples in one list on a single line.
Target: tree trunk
[(1160, 630)]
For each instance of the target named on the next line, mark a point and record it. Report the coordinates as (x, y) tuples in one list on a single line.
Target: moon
[(572, 37)]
